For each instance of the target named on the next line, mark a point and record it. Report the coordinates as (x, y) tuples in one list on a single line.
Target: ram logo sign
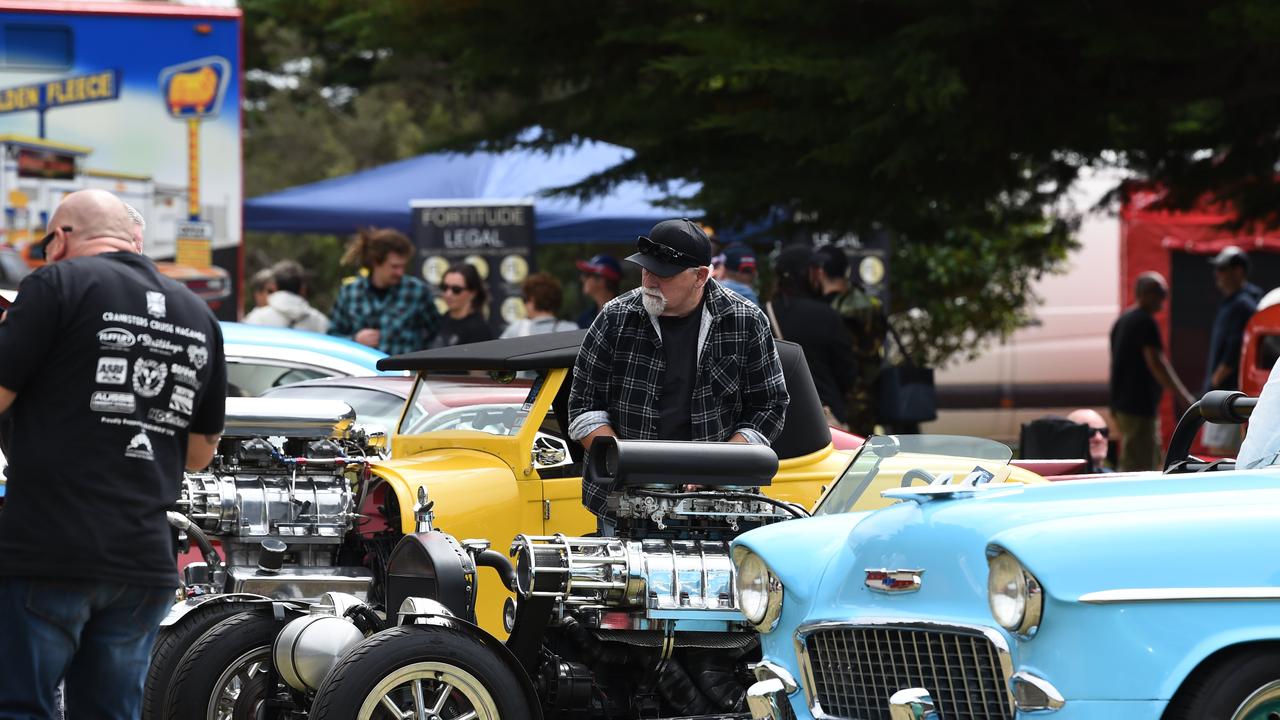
[(195, 89)]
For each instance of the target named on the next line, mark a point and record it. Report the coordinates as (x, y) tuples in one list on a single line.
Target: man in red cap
[(600, 277), (678, 358), (738, 264)]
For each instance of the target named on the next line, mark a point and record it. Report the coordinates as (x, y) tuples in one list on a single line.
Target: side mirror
[(549, 451), (375, 439)]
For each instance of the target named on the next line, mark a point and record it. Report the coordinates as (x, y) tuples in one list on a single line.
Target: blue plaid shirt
[(406, 315)]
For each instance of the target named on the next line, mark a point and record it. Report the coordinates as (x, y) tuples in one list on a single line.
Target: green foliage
[(958, 124), (315, 110)]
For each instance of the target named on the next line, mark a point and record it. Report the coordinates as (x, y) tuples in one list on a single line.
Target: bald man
[(116, 380), (1098, 434)]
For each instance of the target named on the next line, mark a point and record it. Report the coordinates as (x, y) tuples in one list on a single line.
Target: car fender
[(474, 494), (444, 620), (471, 491), (1148, 547), (180, 610)]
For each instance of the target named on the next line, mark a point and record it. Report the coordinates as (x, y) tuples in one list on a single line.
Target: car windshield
[(373, 407), (903, 460), (495, 403)]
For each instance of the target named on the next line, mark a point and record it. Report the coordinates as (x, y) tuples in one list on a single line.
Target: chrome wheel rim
[(231, 683), (429, 691), (1263, 704)]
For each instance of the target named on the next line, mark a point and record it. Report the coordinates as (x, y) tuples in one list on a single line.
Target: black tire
[(200, 672), (172, 643), (1217, 691), (379, 658)]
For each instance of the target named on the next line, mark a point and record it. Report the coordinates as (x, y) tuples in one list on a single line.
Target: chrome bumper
[(912, 704), (767, 698)]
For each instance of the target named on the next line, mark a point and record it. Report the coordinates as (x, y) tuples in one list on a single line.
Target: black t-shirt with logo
[(469, 329), (113, 365), (1134, 390)]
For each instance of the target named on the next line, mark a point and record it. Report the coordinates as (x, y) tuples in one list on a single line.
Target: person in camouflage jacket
[(864, 316)]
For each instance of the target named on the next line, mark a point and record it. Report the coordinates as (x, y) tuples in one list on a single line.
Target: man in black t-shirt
[(1139, 369), (805, 319), (116, 379)]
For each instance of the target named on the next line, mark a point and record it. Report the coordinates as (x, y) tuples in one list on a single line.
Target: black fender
[(180, 610), (490, 642)]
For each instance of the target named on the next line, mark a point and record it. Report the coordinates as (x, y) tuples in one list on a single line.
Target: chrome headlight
[(1013, 593), (759, 590)]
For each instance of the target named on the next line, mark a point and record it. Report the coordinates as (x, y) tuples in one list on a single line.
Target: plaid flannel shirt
[(618, 375), (406, 315)]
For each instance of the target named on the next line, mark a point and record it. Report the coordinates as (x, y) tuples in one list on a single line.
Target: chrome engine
[(281, 496), (668, 557)]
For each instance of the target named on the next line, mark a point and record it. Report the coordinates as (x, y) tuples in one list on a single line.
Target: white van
[(1060, 362)]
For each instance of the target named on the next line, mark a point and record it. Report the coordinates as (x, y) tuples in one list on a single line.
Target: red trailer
[(1178, 246)]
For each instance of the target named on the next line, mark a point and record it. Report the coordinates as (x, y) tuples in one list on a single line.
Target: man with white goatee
[(678, 358)]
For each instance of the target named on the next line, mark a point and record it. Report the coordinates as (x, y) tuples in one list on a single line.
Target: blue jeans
[(95, 635)]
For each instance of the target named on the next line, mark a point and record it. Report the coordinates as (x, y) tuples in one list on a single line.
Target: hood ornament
[(883, 580)]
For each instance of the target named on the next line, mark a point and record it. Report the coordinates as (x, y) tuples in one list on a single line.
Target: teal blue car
[(1145, 597), (260, 358)]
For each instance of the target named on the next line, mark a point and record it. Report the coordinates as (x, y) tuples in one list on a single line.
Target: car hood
[(1083, 536)]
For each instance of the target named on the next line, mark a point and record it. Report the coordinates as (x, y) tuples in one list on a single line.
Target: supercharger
[(281, 497)]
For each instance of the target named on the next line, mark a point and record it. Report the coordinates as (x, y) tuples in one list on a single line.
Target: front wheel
[(223, 675), (1244, 685), (173, 642), (421, 671)]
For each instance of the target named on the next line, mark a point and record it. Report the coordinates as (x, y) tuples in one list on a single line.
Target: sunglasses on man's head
[(453, 289), (1104, 432), (665, 252)]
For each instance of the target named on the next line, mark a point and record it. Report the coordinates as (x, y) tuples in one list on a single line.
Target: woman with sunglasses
[(464, 295)]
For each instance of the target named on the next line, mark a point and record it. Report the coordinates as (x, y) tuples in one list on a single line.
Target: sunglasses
[(665, 252), (44, 241), (453, 289), (1104, 432)]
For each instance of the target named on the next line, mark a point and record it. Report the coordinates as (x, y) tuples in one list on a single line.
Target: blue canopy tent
[(380, 196)]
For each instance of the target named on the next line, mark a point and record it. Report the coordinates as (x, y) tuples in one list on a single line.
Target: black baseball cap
[(1229, 256), (671, 247), (794, 261), (833, 261)]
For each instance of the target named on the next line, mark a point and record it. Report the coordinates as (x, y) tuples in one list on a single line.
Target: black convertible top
[(804, 431), (535, 352)]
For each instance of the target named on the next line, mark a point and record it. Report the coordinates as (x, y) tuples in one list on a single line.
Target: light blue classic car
[(1154, 596)]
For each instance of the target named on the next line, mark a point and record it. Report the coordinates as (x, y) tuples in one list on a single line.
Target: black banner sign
[(868, 259), (496, 238)]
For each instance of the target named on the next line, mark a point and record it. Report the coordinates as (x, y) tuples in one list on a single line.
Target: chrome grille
[(854, 671)]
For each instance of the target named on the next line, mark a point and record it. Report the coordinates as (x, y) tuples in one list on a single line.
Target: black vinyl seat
[(1053, 438), (805, 428)]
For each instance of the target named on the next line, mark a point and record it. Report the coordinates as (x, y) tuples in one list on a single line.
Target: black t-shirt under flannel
[(113, 364), (680, 344), (1134, 390)]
